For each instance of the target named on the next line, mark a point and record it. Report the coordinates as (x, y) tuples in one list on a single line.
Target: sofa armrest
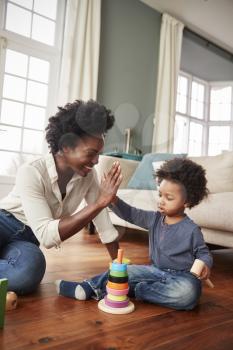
[(128, 167)]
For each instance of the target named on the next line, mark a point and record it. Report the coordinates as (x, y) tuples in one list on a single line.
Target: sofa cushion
[(128, 167), (143, 176), (215, 212), (219, 171)]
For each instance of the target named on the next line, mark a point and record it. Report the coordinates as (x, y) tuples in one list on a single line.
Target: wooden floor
[(47, 321)]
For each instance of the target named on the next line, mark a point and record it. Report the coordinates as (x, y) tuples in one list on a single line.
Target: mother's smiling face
[(84, 155)]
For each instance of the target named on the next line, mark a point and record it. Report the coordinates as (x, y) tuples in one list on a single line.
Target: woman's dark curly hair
[(185, 172), (77, 120)]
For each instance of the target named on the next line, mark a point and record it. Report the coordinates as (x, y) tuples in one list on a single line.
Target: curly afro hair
[(185, 172), (77, 120)]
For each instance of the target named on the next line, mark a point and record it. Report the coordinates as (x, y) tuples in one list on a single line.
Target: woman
[(48, 191)]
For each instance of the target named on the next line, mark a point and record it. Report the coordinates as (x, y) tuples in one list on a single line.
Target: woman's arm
[(30, 188)]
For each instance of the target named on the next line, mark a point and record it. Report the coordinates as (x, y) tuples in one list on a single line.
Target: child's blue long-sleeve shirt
[(173, 246)]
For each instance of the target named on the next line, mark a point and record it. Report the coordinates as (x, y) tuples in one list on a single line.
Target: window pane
[(182, 85), (220, 103), (197, 109), (194, 90), (37, 93), (181, 104), (221, 94), (46, 8), (201, 92), (24, 3), (14, 88), (220, 112), (197, 91), (43, 30), (182, 92), (197, 100), (219, 139), (38, 69), (34, 117), (195, 139), (16, 63), (180, 135), (33, 141), (12, 112), (200, 109), (18, 20), (10, 138)]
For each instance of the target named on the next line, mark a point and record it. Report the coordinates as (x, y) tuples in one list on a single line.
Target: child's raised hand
[(110, 183)]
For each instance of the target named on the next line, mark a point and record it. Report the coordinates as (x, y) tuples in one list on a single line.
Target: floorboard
[(44, 320)]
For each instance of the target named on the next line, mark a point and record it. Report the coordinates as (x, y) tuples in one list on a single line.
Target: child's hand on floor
[(205, 273)]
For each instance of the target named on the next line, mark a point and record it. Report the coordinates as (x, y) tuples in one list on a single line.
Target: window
[(30, 50), (204, 116)]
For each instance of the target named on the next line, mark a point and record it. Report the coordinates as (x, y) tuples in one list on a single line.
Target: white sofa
[(214, 215), (6, 184)]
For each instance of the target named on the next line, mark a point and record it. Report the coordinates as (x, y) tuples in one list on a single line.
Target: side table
[(125, 155)]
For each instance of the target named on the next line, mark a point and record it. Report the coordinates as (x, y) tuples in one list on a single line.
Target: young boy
[(175, 241)]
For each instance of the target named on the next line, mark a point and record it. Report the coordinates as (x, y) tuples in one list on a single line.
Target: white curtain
[(169, 64), (80, 53), (3, 46)]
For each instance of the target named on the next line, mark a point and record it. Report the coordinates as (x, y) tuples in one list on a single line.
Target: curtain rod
[(210, 45)]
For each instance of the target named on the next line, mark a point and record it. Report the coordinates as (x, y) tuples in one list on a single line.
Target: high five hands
[(109, 185)]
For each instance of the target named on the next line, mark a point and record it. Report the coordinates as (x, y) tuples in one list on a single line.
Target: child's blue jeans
[(175, 289), (21, 260)]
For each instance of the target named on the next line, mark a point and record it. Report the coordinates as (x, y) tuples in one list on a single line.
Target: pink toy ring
[(117, 291), (116, 304)]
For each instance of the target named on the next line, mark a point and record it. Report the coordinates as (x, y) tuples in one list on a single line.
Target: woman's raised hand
[(110, 183)]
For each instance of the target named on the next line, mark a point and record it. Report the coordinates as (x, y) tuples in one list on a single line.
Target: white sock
[(80, 293), (57, 284)]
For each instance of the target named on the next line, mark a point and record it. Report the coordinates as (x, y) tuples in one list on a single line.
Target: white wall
[(212, 19)]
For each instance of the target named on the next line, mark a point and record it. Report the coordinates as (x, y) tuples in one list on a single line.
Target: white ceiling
[(213, 19)]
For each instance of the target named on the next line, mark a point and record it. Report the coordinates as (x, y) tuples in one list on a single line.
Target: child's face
[(172, 198)]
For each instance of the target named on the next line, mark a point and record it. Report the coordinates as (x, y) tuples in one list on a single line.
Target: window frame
[(31, 47), (205, 122)]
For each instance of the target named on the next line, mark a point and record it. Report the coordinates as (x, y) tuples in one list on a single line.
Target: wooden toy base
[(117, 311), (11, 301)]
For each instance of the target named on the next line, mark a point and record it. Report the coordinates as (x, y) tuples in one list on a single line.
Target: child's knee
[(187, 294), (181, 295)]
